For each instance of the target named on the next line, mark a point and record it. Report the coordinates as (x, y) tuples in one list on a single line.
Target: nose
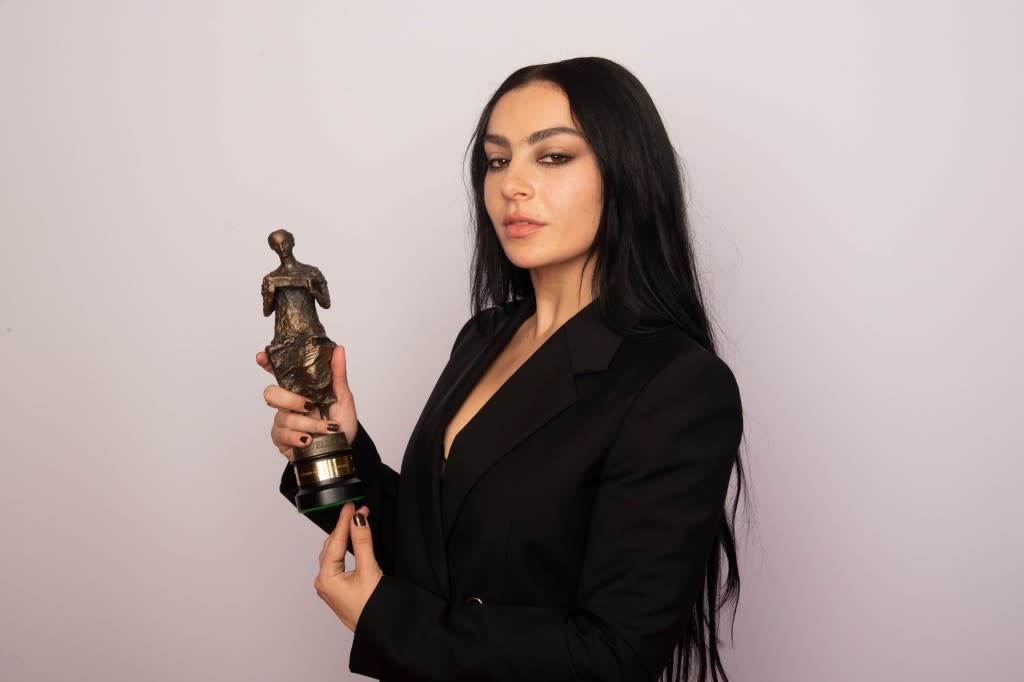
[(515, 184)]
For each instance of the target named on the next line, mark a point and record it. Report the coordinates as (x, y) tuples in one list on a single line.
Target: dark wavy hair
[(643, 247)]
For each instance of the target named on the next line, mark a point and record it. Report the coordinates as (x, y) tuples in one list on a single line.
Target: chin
[(527, 258), (532, 260)]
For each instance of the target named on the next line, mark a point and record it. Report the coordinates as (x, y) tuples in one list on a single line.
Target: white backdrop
[(854, 170)]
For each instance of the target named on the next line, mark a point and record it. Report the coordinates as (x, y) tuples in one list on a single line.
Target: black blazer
[(569, 536)]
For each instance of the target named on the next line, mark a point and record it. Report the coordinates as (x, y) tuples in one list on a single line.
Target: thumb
[(339, 374), (362, 545), (343, 410)]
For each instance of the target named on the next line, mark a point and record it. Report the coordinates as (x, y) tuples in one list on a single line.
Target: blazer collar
[(542, 387)]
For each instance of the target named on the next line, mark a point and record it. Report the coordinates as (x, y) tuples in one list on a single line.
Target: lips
[(519, 230), (519, 225), (512, 218)]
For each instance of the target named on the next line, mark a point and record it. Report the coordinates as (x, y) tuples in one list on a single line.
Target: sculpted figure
[(300, 352)]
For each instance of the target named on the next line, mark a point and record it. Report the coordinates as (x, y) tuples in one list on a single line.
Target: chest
[(494, 377)]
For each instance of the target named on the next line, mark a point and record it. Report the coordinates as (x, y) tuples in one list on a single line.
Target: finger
[(362, 545), (343, 408), (337, 544), (339, 367), (366, 513), (293, 431), (339, 374), (306, 424), (285, 439), (263, 360), (283, 399)]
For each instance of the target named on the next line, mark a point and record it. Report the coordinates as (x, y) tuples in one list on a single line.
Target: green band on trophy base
[(335, 505)]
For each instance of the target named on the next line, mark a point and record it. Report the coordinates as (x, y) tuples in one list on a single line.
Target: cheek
[(584, 201), (492, 198)]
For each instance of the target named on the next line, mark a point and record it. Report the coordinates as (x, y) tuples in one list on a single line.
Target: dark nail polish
[(309, 406), (359, 519), (333, 428), (304, 439)]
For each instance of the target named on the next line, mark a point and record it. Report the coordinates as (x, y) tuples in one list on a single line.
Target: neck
[(561, 291), (288, 260)]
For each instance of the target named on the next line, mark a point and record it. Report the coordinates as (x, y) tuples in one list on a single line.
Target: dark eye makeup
[(557, 159)]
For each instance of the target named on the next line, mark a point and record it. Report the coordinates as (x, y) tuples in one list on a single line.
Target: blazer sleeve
[(381, 483), (657, 511)]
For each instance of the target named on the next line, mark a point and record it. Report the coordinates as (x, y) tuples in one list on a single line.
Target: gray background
[(855, 174)]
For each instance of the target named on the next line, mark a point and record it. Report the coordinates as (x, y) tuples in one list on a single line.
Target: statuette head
[(281, 241)]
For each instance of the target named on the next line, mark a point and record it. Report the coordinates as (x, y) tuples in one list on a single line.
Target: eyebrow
[(534, 138)]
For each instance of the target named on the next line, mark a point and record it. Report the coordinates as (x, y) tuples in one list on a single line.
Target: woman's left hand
[(347, 592)]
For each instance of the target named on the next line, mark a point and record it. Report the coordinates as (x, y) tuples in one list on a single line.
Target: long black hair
[(642, 247)]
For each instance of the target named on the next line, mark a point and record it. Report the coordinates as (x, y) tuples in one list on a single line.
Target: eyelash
[(565, 159)]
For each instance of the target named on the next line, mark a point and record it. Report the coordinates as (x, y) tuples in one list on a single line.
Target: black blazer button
[(478, 600)]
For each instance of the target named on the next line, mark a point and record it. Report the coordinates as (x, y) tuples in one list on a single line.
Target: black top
[(580, 508)]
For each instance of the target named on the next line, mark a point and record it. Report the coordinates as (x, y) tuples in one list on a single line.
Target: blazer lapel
[(540, 389), (423, 460)]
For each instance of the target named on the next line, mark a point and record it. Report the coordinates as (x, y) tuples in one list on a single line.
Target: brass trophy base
[(325, 473)]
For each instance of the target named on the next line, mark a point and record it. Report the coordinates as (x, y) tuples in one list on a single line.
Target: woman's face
[(540, 169)]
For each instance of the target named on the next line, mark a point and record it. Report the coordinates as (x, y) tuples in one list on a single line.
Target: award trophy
[(300, 355)]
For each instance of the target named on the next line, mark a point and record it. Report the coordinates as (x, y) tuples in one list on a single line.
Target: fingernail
[(309, 406), (333, 427), (304, 439), (359, 519)]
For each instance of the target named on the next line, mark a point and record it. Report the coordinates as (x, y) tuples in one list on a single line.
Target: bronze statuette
[(300, 355)]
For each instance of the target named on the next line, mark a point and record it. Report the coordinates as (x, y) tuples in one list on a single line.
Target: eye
[(556, 159)]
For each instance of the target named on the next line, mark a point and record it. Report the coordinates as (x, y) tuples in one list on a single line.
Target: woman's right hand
[(295, 422)]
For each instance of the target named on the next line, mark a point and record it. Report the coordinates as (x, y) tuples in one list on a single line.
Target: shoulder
[(486, 322), (684, 406), (672, 364)]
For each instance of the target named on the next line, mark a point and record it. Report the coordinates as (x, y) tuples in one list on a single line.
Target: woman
[(560, 513)]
